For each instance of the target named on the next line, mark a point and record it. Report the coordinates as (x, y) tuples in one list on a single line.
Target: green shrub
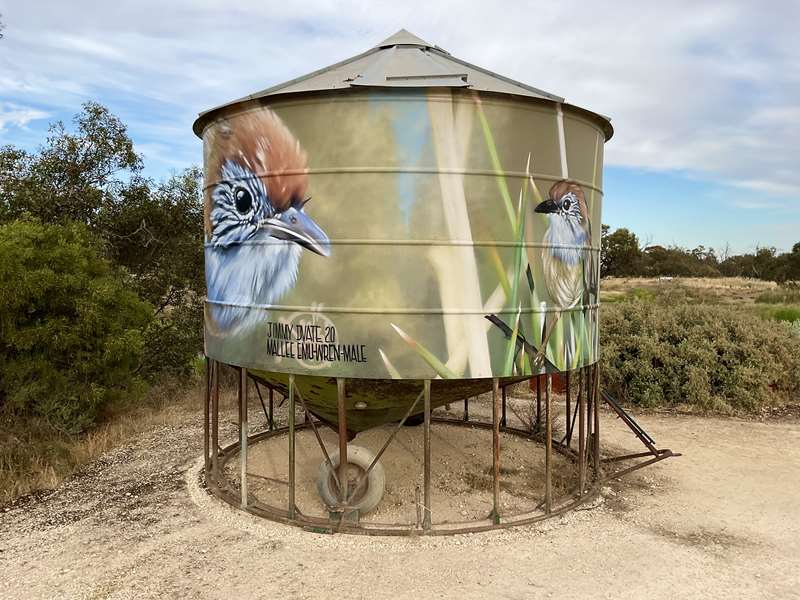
[(788, 314), (642, 294), (714, 357), (778, 312), (70, 331), (173, 340)]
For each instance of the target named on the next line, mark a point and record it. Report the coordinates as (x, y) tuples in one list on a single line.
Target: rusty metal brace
[(270, 422), (375, 460), (311, 420)]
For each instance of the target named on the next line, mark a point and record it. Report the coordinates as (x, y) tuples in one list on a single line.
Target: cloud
[(706, 88), (18, 116)]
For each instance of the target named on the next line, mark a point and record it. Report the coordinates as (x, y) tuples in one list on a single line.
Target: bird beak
[(296, 226), (547, 206)]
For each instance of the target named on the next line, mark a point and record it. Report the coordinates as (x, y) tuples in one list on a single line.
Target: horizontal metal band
[(402, 311), (458, 243), (406, 170)]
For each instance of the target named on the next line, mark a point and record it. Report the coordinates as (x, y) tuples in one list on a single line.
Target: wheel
[(358, 461)]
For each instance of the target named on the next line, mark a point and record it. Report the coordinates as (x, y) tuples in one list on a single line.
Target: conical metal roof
[(405, 37), (402, 60)]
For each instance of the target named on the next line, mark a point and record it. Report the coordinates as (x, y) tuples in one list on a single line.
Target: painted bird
[(569, 268), (256, 222), (570, 274)]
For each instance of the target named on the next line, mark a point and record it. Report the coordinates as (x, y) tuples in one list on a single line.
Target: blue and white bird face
[(239, 205), (256, 221), (568, 215), (242, 211), (566, 207)]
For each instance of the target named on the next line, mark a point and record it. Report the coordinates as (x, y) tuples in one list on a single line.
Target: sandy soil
[(722, 521), (461, 471)]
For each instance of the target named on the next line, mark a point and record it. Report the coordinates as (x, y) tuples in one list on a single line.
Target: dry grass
[(35, 457), (723, 290)]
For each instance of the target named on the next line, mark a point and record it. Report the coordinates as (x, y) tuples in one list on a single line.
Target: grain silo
[(394, 233)]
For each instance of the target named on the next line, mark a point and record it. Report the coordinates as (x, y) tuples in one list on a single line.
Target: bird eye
[(567, 203), (244, 201)]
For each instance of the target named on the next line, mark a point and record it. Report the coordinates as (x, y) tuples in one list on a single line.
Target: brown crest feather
[(560, 188), (259, 141)]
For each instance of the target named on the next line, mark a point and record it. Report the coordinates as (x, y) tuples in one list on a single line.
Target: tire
[(370, 493)]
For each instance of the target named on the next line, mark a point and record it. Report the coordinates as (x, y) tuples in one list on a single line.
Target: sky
[(704, 96)]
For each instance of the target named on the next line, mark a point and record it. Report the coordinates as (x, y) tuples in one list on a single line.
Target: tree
[(156, 232), (620, 256), (74, 175), (676, 261), (793, 273), (764, 263), (92, 175)]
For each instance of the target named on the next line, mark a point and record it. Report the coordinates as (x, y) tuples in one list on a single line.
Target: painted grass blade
[(393, 372), (495, 158), (556, 344), (437, 365), (497, 263), (511, 350)]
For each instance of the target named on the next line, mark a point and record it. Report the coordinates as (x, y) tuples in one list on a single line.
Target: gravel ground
[(722, 521)]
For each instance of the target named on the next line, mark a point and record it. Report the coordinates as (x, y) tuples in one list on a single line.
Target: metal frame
[(345, 519)]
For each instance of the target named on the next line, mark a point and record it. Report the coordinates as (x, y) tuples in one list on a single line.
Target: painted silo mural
[(393, 233)]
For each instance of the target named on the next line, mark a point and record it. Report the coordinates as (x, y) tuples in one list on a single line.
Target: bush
[(714, 357), (173, 340), (70, 331)]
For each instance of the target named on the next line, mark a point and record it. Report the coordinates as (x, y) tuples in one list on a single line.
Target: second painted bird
[(568, 264)]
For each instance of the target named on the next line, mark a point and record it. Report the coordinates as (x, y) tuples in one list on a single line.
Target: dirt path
[(719, 522)]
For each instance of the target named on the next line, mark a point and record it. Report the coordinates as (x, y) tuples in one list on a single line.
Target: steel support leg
[(568, 415), (215, 418), (426, 519), (243, 433), (538, 403), (496, 449), (581, 434), (292, 507), (548, 447), (503, 421), (342, 415), (589, 384), (206, 415), (596, 438)]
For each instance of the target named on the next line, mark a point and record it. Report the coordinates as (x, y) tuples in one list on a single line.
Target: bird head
[(260, 188), (567, 201)]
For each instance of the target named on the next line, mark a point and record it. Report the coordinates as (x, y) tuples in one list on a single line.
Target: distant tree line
[(623, 256)]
